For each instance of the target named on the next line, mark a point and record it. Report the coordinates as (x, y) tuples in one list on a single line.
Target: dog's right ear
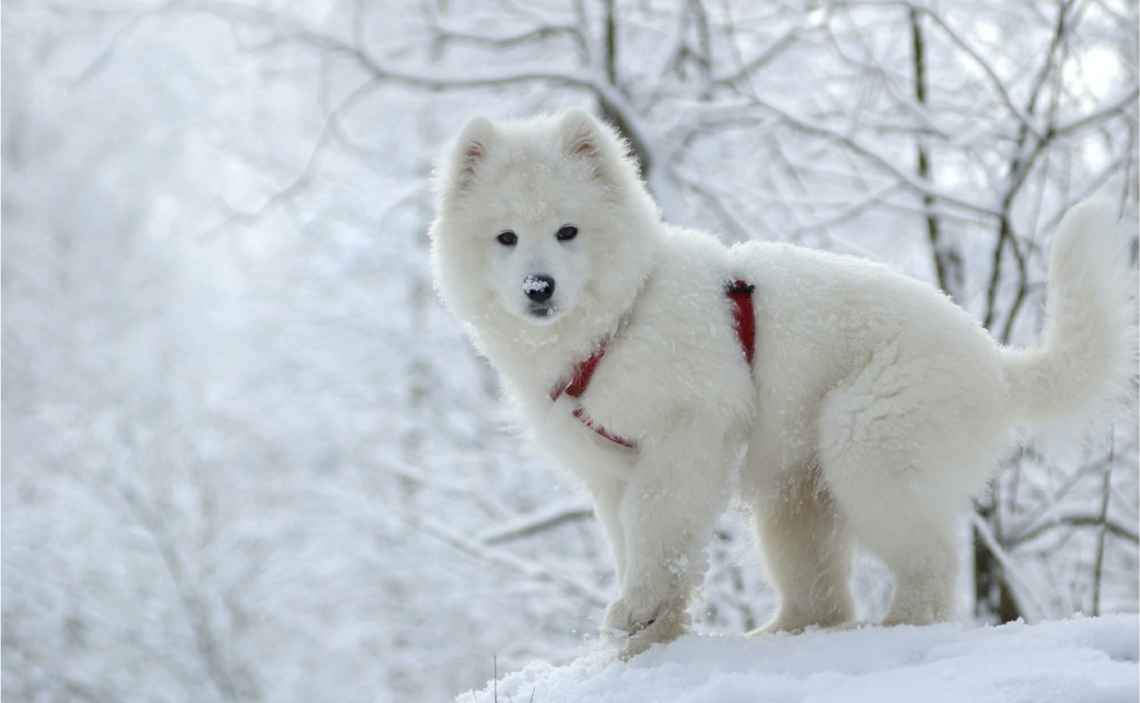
[(470, 153)]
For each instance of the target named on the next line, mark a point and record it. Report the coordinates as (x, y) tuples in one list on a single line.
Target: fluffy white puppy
[(873, 410)]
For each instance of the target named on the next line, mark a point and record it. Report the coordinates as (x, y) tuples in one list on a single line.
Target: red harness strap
[(739, 292), (579, 380)]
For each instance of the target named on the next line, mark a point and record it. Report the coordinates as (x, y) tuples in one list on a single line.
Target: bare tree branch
[(871, 155), (535, 523), (1009, 571), (1098, 562), (1073, 520), (527, 567), (538, 33), (205, 639), (773, 51)]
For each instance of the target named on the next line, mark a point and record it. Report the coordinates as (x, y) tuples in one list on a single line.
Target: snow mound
[(1085, 660)]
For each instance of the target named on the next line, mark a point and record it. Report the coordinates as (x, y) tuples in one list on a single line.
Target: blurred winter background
[(247, 455)]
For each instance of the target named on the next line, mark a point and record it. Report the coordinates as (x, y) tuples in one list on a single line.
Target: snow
[(530, 283), (1083, 660)]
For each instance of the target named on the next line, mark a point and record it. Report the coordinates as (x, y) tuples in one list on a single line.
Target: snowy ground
[(1083, 660)]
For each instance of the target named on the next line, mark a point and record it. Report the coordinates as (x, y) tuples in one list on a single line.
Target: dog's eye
[(566, 233), (508, 238)]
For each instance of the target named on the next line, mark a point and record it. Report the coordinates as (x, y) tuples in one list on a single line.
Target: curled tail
[(1088, 353)]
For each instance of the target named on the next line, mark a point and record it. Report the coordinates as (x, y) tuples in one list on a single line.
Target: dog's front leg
[(678, 487), (607, 493)]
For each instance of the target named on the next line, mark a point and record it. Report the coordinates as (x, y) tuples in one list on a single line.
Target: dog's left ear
[(580, 136), (586, 139)]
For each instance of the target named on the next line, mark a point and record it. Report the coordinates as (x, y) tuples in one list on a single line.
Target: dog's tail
[(1088, 354)]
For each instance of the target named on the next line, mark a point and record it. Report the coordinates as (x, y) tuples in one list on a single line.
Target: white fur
[(874, 410)]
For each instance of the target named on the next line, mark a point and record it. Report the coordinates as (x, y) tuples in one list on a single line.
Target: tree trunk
[(948, 269), (611, 115), (992, 596)]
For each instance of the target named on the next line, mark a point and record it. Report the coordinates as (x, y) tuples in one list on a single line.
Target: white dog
[(873, 409)]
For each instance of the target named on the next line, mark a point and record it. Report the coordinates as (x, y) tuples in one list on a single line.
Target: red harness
[(739, 292)]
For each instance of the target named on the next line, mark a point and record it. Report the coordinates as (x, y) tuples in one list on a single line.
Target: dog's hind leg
[(892, 452), (915, 541), (808, 554), (925, 571)]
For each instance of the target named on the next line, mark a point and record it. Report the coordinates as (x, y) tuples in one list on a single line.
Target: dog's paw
[(797, 622), (668, 625), (631, 614), (637, 623)]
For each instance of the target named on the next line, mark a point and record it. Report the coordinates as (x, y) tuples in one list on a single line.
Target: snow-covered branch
[(535, 523), (527, 568)]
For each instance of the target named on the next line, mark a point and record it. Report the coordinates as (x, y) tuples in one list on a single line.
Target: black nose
[(538, 287)]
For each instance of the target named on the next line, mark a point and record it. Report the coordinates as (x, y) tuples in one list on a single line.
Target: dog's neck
[(533, 358)]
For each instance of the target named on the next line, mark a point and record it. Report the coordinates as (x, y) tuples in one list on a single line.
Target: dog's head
[(540, 219)]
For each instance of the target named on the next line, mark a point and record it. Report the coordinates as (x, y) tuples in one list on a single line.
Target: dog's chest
[(646, 383)]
